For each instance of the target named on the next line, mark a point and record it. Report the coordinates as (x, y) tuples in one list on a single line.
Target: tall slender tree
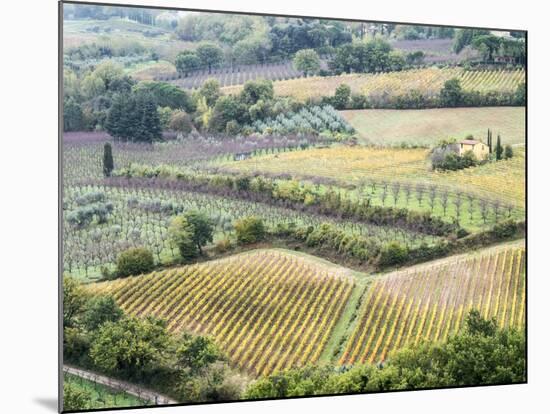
[(108, 164), (499, 149)]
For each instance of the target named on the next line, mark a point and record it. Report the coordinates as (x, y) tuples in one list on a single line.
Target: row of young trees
[(308, 198)]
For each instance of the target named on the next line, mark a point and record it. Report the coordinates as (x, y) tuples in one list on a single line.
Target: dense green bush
[(134, 261), (134, 117), (393, 253), (180, 122), (75, 398), (505, 229), (166, 95), (100, 309), (453, 162), (341, 96), (250, 230), (130, 346)]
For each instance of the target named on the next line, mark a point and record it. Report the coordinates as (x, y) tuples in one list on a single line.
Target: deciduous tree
[(307, 61)]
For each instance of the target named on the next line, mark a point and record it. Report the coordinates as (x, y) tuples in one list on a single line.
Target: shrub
[(134, 261), (307, 61), (75, 398), (180, 122), (504, 229), (223, 245), (508, 152), (99, 310), (105, 272), (250, 230), (232, 128), (451, 94), (393, 253), (359, 101), (453, 161), (341, 96)]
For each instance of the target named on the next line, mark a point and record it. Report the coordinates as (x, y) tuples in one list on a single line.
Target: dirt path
[(136, 390)]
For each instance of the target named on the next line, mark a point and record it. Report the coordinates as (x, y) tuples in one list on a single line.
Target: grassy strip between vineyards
[(430, 302), (347, 320)]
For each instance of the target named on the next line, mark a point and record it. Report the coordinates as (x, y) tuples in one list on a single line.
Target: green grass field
[(428, 126), (102, 396)]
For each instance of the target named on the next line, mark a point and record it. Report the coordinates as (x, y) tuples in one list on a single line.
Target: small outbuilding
[(480, 150)]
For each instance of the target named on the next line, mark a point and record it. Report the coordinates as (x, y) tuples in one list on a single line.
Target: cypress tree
[(108, 164), (499, 150)]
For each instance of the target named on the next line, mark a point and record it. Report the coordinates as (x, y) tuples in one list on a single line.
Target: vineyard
[(426, 127), (82, 151), (431, 302), (217, 236), (435, 50), (395, 176), (268, 310), (101, 222), (427, 81), (238, 75)]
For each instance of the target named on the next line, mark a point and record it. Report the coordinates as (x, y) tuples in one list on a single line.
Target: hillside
[(273, 309), (427, 81), (502, 180), (267, 310), (387, 127), (430, 302)]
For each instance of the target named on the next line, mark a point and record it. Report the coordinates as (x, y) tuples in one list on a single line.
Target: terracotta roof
[(470, 142)]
